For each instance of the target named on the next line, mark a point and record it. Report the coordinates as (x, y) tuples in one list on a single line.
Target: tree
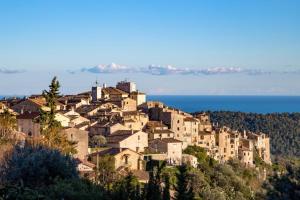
[(7, 126), (154, 190), (105, 171), (184, 190), (166, 190), (286, 186), (97, 141), (51, 129), (128, 188), (36, 167), (47, 118)]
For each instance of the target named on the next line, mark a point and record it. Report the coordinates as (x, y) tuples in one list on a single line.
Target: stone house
[(81, 139), (169, 146), (113, 94), (139, 97), (126, 104), (31, 105), (106, 128), (131, 139), (63, 119), (191, 129), (28, 123), (88, 110), (124, 158), (262, 145), (134, 119)]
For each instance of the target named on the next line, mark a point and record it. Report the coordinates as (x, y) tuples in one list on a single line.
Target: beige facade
[(159, 134), (134, 140), (139, 97), (126, 86), (123, 158), (169, 146), (113, 94), (225, 145), (106, 128), (191, 129), (175, 120), (64, 120), (246, 156), (81, 139), (28, 124), (134, 119), (262, 145)]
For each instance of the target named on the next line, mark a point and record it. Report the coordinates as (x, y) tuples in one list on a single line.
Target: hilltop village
[(118, 121)]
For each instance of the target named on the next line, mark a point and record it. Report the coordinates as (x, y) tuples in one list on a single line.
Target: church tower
[(96, 92)]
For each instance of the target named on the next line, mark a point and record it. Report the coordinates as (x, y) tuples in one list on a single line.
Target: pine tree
[(184, 190), (51, 129), (47, 118)]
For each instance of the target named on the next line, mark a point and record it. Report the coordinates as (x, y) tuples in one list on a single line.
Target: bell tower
[(96, 92)]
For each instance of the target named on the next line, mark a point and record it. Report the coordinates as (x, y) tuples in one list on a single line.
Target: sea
[(254, 104)]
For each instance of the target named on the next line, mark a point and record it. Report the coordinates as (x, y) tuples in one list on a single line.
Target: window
[(178, 128), (177, 121), (231, 152), (202, 137), (232, 146), (224, 150), (139, 137)]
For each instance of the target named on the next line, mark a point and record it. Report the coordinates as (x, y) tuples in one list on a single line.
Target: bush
[(36, 167)]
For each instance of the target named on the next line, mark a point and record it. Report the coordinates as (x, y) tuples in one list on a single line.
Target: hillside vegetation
[(283, 128)]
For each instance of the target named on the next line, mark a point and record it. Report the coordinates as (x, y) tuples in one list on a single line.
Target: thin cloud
[(110, 68), (10, 71), (163, 70)]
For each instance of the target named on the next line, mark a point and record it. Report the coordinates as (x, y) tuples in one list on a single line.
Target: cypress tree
[(184, 190), (166, 191)]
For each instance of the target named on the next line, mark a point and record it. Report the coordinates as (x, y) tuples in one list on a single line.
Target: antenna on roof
[(96, 82)]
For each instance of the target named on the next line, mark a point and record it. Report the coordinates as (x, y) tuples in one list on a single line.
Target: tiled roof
[(190, 119), (38, 101), (162, 131), (152, 124), (137, 92), (168, 140), (111, 151), (119, 136), (86, 108), (113, 91)]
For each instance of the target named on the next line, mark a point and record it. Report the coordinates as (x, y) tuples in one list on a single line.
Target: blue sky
[(207, 47)]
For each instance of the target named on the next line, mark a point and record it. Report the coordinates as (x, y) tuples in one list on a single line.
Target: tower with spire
[(96, 92)]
